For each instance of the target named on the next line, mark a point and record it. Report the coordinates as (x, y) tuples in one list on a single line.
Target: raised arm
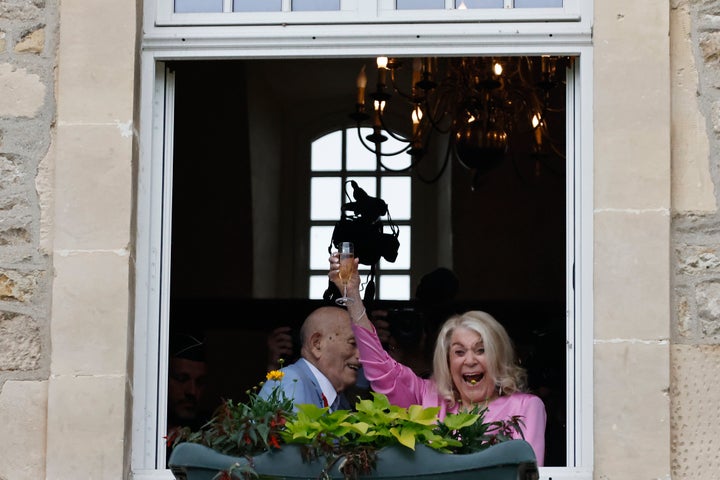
[(356, 309)]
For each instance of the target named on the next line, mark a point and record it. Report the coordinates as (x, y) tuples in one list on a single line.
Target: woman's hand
[(353, 286), (356, 309)]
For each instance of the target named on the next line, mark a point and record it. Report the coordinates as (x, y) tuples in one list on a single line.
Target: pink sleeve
[(398, 382), (534, 418)]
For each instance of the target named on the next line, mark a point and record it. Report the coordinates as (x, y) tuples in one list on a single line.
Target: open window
[(225, 182)]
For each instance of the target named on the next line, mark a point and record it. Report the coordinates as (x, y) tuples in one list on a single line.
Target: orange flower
[(275, 375)]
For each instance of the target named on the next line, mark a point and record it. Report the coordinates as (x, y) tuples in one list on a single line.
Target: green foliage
[(246, 429), (473, 435), (357, 436)]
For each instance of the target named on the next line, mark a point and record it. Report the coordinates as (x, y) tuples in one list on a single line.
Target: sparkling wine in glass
[(346, 252)]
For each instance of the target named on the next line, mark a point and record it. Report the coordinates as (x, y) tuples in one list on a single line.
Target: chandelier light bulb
[(382, 63), (497, 68), (537, 126), (361, 84), (416, 117)]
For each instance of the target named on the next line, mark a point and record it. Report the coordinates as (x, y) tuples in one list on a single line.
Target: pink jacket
[(403, 388)]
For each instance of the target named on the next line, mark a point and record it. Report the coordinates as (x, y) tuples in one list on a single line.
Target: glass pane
[(320, 238), (460, 4), (394, 287), (420, 4), (538, 3), (325, 198), (326, 153), (318, 285), (396, 193), (359, 157), (402, 262), (257, 5), (189, 6), (315, 5), (395, 162)]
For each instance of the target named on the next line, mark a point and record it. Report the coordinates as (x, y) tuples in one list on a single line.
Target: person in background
[(409, 334), (474, 364), (187, 384), (280, 347), (329, 362)]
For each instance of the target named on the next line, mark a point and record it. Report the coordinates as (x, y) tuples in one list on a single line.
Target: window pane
[(318, 285), (402, 262), (394, 287), (189, 6), (325, 198), (257, 5), (538, 3), (310, 5), (320, 238), (326, 153), (359, 157), (420, 4), (396, 193), (479, 4)]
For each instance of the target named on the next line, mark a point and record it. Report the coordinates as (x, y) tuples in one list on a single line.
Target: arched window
[(337, 158)]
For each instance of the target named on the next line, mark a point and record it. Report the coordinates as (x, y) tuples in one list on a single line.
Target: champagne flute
[(346, 252)]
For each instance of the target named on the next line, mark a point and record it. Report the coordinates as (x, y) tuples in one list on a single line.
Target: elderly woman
[(474, 364)]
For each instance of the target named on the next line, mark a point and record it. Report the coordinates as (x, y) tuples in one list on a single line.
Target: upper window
[(314, 12), (188, 6), (340, 162)]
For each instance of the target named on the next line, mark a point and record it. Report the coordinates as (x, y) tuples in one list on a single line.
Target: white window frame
[(154, 194), (367, 11)]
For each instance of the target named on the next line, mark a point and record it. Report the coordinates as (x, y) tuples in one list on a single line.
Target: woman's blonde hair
[(502, 363)]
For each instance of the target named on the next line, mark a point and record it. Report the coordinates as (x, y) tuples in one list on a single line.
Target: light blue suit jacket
[(299, 383)]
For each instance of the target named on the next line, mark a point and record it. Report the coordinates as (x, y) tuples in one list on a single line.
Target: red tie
[(325, 402)]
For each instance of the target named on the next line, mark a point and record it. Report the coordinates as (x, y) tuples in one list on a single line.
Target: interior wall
[(212, 246)]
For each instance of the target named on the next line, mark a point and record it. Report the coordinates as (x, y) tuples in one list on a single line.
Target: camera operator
[(409, 334)]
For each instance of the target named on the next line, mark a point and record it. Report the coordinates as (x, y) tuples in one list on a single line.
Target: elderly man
[(328, 365)]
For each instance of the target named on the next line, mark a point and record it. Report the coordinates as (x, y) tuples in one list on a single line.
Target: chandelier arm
[(413, 163), (556, 150), (396, 89), (435, 124), (442, 168), (379, 151), (362, 141), (392, 134)]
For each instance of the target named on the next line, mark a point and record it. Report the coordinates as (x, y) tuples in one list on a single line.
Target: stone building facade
[(69, 79)]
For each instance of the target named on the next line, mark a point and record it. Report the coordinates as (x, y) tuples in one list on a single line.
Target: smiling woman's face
[(468, 367)]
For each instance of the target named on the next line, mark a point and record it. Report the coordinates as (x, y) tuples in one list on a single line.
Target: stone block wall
[(27, 115), (695, 253), (73, 265)]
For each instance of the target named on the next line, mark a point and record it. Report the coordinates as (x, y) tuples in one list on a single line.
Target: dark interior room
[(240, 248)]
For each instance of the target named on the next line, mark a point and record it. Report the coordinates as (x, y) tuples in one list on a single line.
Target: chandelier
[(480, 104)]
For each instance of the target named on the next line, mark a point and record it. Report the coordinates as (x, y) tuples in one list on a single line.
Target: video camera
[(364, 228), (360, 224)]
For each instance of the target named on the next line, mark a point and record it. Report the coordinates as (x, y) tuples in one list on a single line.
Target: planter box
[(512, 460)]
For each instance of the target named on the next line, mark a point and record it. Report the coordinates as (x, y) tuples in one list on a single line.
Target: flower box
[(510, 460)]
